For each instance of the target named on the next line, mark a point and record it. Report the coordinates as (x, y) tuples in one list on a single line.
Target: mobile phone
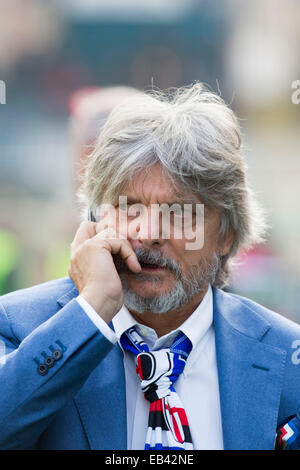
[(91, 217), (116, 257)]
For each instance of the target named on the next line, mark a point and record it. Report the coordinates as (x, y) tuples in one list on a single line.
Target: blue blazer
[(79, 402)]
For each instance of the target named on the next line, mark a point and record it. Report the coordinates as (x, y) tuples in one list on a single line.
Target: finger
[(107, 218), (111, 234), (122, 247), (107, 227), (129, 256), (85, 231)]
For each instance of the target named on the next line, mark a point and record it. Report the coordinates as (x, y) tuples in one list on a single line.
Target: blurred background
[(65, 65)]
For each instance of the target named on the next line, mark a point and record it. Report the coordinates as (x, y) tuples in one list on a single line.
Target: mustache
[(151, 257)]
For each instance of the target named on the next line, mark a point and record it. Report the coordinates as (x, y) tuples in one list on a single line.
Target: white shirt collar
[(195, 327)]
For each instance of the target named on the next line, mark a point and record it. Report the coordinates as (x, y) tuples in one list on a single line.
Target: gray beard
[(185, 288)]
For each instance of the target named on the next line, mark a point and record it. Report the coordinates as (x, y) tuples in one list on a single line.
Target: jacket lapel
[(101, 402), (250, 375)]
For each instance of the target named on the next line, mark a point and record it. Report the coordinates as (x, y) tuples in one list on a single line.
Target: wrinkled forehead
[(155, 185)]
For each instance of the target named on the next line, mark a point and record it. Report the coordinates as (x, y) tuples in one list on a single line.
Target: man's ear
[(227, 244)]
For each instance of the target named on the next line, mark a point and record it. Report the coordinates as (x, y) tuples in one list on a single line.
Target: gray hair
[(196, 138)]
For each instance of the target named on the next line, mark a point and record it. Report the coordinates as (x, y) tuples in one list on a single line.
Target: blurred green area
[(9, 256)]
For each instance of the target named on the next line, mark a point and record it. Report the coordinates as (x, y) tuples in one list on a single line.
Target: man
[(142, 314)]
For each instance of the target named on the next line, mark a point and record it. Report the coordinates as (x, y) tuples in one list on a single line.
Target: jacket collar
[(245, 320)]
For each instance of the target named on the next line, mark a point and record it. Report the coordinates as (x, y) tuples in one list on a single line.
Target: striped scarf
[(168, 426)]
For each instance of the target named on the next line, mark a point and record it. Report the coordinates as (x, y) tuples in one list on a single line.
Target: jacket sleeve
[(40, 374)]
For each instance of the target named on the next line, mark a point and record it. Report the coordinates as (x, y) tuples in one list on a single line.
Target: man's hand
[(93, 270)]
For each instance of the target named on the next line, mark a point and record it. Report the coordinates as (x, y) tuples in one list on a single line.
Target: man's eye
[(123, 207)]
